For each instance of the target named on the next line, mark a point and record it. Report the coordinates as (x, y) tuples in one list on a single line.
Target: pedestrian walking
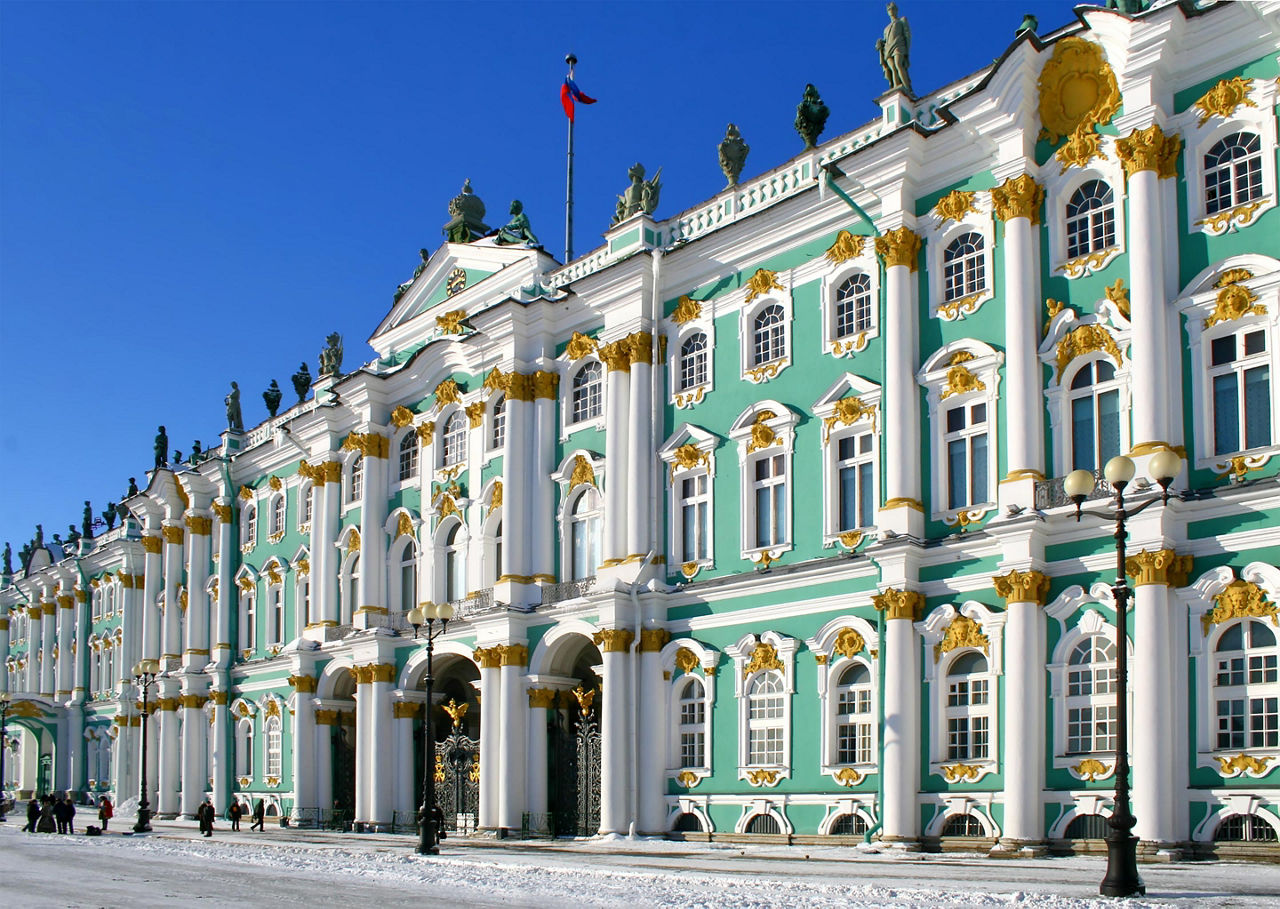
[(70, 812), (60, 814), (260, 816), (205, 815), (233, 813), (105, 812), (33, 815)]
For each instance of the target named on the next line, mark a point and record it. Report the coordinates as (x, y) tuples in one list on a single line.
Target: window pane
[(1226, 416), (956, 492), (980, 493), (1082, 434), (848, 497), (1257, 407), (1108, 426), (866, 496)]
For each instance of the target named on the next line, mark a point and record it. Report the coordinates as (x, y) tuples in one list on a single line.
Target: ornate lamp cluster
[(429, 613)]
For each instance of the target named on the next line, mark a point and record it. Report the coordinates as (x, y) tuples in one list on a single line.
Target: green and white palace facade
[(752, 517)]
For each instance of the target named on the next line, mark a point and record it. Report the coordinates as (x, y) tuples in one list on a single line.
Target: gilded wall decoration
[(1118, 296), (686, 660), (1088, 263), (762, 435), (850, 539), (1223, 99), (1238, 468), (847, 776), (961, 773), (1081, 147), (1091, 769), (759, 778), (687, 457), (847, 246), (1231, 219), (960, 381), (962, 631), (369, 444), (451, 322), (1150, 149), (688, 779), (763, 657), (848, 642), (1244, 765), (1018, 197), (1240, 600), (495, 497), (690, 570), (447, 392), (275, 483), (582, 472), (1083, 340), (899, 247), (404, 525), (1078, 89), (580, 346), (1235, 301), (353, 540), (687, 309), (494, 381), (847, 412), (955, 205), (426, 431), (761, 283), (954, 310), (899, 604), (856, 344), (401, 417), (763, 373), (475, 414)]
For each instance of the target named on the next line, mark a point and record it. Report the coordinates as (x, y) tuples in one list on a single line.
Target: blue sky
[(193, 192)]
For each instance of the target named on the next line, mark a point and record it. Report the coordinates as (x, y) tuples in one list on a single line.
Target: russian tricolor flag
[(569, 93)]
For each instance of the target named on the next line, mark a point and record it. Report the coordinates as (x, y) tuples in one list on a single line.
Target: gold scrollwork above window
[(447, 392), (580, 346), (762, 435), (1083, 340), (960, 380), (955, 205), (1223, 99), (1235, 301), (401, 417), (1240, 600), (762, 282), (1080, 148), (687, 309), (764, 656), (847, 412), (582, 472), (849, 642), (962, 631), (687, 457), (847, 246)]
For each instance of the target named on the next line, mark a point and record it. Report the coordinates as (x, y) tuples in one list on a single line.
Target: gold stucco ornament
[(955, 205), (1078, 89), (1083, 340), (962, 631), (1223, 99), (687, 309), (1240, 600), (762, 282), (847, 246)]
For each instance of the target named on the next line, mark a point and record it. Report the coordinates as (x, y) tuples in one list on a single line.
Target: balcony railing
[(1050, 493), (473, 604), (567, 590)]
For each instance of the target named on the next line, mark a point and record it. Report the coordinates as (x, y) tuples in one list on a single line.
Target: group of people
[(205, 815), (56, 814)]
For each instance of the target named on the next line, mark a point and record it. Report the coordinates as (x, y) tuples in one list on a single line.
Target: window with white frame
[(453, 440), (1091, 697), (769, 491), (306, 501), (586, 399), (855, 718), (769, 335), (275, 746), (498, 423), (586, 522), (966, 442), (244, 748), (355, 481), (766, 719), (408, 576), (968, 712), (277, 515), (349, 587), (1232, 172), (1246, 690), (693, 361), (694, 504), (1240, 379), (248, 623), (303, 599), (1091, 219), (693, 723), (493, 555), (964, 267), (854, 469), (1095, 415), (108, 666), (853, 307), (248, 525), (275, 601), (96, 605), (455, 563), (409, 453)]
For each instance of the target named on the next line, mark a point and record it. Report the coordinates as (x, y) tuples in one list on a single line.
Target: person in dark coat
[(234, 814), (204, 814), (60, 814), (47, 823), (33, 815), (260, 816), (70, 812), (437, 815)]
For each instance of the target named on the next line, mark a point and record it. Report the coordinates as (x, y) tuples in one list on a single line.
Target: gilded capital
[(616, 356), (900, 604), (67, 601), (192, 701), (519, 387), (326, 717), (152, 544), (167, 704), (899, 247), (544, 698), (332, 471), (198, 525), (546, 384), (488, 657), (222, 513), (1150, 149), (614, 640), (512, 655), (653, 639), (1022, 587), (1018, 197), (218, 698), (1164, 566), (403, 710), (304, 684), (381, 672), (641, 347), (172, 535)]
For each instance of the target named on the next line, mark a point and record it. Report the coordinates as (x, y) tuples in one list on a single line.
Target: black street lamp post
[(144, 674), (4, 719), (1122, 878), (428, 840)]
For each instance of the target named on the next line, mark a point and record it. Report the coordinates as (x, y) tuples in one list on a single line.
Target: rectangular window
[(693, 734), (966, 447), (855, 480), (771, 501), (693, 518), (1241, 392)]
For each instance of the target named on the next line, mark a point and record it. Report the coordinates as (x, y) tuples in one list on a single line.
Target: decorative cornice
[(1022, 587), (899, 247), (1163, 566), (899, 604)]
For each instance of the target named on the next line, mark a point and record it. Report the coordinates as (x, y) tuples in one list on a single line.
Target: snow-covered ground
[(300, 867)]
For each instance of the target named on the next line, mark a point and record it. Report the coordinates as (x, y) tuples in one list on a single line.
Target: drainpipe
[(832, 171)]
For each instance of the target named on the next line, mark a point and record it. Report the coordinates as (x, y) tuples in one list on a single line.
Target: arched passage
[(573, 735), (454, 716)]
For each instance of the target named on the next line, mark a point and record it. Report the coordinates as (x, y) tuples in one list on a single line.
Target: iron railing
[(1050, 493), (567, 590)]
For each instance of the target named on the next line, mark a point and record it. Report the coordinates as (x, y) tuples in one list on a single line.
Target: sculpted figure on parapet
[(895, 49)]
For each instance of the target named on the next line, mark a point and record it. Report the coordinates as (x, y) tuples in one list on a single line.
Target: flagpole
[(568, 204)]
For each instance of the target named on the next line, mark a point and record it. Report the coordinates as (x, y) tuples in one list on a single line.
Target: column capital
[(218, 698), (653, 639), (1018, 197), (198, 524), (616, 356), (542, 698), (192, 701), (513, 655), (1163, 566), (303, 684), (173, 533), (899, 247), (900, 604), (152, 544), (1022, 587), (1150, 149), (488, 657), (614, 640), (401, 710), (369, 444)]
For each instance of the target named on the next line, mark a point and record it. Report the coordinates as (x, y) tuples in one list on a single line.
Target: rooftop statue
[(331, 356), (235, 422), (516, 230), (271, 397), (895, 49), (302, 382), (24, 555), (196, 451), (161, 452), (86, 521), (641, 195), (73, 535), (811, 116), (177, 456), (733, 154), (38, 543), (133, 483), (8, 558), (467, 221), (424, 255)]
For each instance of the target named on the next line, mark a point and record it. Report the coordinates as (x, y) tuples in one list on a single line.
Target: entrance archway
[(573, 738), (342, 745), (455, 728)]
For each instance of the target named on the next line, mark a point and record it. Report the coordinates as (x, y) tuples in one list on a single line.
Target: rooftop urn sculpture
[(161, 449), (109, 515), (516, 230), (1029, 24), (811, 116), (733, 154), (235, 422), (271, 397), (640, 196), (895, 51), (86, 521), (302, 382), (331, 356), (467, 217), (196, 451)]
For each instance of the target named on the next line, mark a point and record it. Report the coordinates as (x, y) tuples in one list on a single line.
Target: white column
[(540, 700), (4, 652), (373, 538), (305, 800), (542, 499), (195, 746), (169, 752), (490, 735), (1024, 707), (654, 728), (153, 583), (615, 645), (130, 647), (223, 759), (902, 511), (48, 639), (226, 604), (364, 748), (517, 460), (511, 779), (65, 668), (404, 750), (901, 723), (323, 747), (171, 621), (73, 757), (641, 452), (617, 399), (124, 762), (379, 727), (195, 655), (30, 678)]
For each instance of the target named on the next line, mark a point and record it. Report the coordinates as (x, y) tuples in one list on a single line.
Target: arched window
[(409, 456), (1240, 373), (498, 435), (1091, 697), (853, 306), (968, 708), (350, 587), (963, 269), (249, 525), (963, 825), (1087, 827), (453, 448), (693, 361), (1244, 828), (271, 730), (355, 489), (848, 825), (306, 501), (693, 724), (766, 712), (408, 577), (1091, 219), (769, 335), (277, 515), (584, 534), (1232, 172), (763, 823), (587, 399), (1246, 687), (855, 718), (1095, 415), (455, 564)]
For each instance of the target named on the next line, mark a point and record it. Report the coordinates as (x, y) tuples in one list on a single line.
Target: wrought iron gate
[(458, 776), (574, 771)]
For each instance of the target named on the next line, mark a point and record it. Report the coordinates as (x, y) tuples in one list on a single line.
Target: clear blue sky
[(196, 192)]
